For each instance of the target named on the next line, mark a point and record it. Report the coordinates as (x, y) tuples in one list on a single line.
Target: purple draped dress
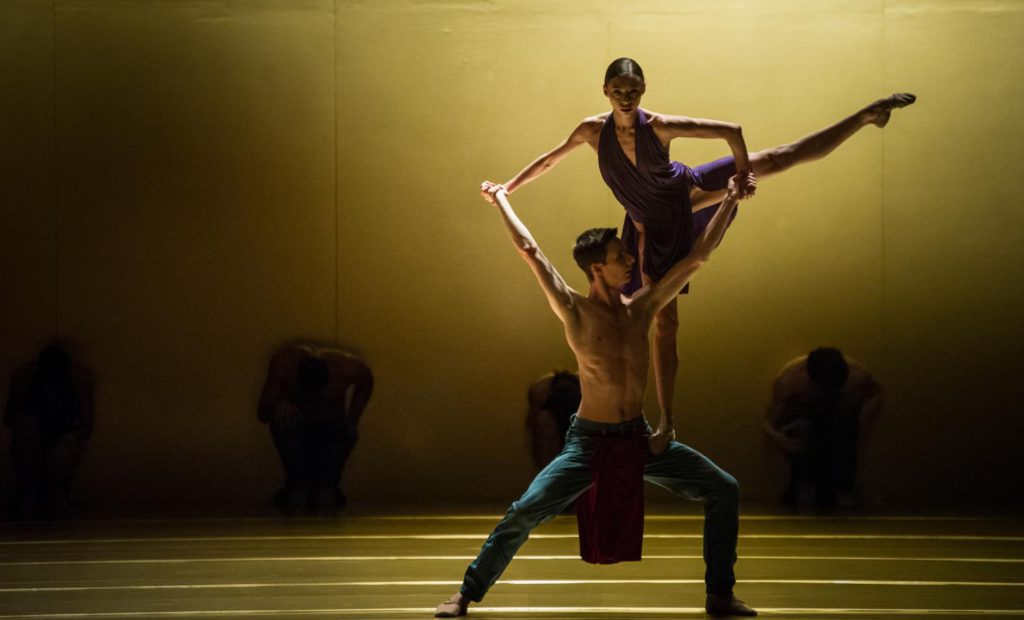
[(656, 194)]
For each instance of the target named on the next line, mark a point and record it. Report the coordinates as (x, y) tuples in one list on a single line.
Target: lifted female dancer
[(661, 196)]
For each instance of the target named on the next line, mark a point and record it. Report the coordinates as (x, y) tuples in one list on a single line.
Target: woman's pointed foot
[(880, 111)]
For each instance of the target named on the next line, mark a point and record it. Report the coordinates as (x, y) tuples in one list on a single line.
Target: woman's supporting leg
[(666, 358)]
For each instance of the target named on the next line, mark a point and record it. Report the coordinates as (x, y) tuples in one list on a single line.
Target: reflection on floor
[(379, 564)]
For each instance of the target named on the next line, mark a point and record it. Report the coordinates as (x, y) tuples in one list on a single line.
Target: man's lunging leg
[(554, 488), (688, 473)]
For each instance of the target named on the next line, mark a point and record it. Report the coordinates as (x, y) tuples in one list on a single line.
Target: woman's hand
[(745, 182), (489, 191)]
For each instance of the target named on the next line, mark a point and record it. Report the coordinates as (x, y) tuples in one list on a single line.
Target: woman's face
[(624, 93)]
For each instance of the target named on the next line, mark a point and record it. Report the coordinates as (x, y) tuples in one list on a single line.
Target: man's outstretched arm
[(665, 289), (561, 297)]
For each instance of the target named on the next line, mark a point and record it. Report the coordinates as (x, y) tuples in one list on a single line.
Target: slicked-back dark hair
[(827, 368), (623, 66), (591, 247)]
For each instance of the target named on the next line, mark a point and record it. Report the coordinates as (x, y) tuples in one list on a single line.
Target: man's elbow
[(527, 250), (699, 257)]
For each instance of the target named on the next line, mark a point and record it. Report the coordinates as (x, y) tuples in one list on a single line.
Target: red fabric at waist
[(610, 514)]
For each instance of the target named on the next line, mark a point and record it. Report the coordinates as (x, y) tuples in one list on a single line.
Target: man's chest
[(615, 333)]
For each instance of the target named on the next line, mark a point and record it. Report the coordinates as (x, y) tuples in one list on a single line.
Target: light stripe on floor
[(650, 517), (495, 516), (518, 558), (483, 536), (628, 612), (515, 582)]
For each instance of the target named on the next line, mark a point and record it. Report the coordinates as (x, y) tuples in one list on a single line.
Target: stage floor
[(380, 564)]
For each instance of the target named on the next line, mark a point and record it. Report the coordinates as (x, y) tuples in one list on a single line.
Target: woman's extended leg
[(820, 143), (811, 147)]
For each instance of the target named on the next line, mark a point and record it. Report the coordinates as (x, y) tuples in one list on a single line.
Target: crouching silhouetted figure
[(50, 414), (312, 400), (821, 403), (553, 400)]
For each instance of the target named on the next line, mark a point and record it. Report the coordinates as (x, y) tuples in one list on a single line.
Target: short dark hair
[(623, 66), (827, 368), (312, 376), (592, 247), (54, 363)]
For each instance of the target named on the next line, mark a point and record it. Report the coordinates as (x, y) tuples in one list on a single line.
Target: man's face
[(624, 93), (618, 264)]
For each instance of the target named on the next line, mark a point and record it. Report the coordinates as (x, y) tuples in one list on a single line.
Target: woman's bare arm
[(670, 127), (586, 132)]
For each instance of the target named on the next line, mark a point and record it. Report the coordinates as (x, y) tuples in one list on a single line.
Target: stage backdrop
[(187, 185)]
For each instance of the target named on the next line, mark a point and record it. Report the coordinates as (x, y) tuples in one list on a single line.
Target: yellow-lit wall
[(186, 185)]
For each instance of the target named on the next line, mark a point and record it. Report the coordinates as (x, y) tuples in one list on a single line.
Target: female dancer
[(667, 202)]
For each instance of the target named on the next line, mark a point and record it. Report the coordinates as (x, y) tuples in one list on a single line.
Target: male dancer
[(609, 336)]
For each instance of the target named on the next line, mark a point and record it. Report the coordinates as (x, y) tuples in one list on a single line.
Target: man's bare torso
[(613, 353)]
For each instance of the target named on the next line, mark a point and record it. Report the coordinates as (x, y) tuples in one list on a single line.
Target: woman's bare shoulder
[(592, 124), (658, 119)]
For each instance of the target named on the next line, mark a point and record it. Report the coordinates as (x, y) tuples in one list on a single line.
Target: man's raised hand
[(489, 191), (745, 183)]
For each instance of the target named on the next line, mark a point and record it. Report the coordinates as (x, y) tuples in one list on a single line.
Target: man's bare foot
[(727, 605), (878, 112), (452, 608)]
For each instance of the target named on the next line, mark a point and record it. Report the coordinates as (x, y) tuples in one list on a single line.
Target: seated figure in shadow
[(312, 401), (553, 399), (821, 404), (50, 414)]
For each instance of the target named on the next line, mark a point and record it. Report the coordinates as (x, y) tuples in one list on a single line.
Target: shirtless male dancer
[(632, 146), (608, 333)]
